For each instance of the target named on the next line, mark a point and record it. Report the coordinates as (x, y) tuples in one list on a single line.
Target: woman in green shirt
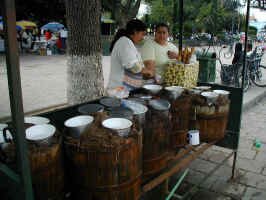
[(157, 52)]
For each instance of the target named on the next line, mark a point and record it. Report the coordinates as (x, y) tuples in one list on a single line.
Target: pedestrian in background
[(63, 35), (48, 35)]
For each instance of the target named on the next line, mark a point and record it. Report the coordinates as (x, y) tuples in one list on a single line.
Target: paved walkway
[(250, 180), (43, 80)]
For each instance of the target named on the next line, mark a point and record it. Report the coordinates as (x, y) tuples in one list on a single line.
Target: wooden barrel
[(128, 190), (155, 142), (100, 170), (180, 117), (212, 122), (105, 175), (47, 172), (178, 138)]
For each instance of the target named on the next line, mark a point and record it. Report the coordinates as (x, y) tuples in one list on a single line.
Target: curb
[(38, 111), (251, 103)]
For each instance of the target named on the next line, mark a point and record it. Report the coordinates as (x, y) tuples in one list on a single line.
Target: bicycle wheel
[(239, 80), (246, 83), (226, 74), (258, 76)]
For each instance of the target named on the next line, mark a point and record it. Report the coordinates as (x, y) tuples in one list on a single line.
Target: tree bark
[(84, 75)]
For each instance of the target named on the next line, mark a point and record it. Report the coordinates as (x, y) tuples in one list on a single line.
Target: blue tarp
[(53, 26)]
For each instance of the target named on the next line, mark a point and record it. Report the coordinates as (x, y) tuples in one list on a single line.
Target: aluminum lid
[(110, 102), (121, 112), (136, 107), (159, 104), (90, 109)]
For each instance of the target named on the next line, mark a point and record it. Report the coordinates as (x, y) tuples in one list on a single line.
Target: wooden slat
[(181, 153), (183, 163)]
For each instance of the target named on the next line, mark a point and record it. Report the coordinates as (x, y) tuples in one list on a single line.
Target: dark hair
[(238, 47), (249, 46), (161, 25), (132, 26)]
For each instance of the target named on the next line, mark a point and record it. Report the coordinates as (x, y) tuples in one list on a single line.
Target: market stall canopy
[(52, 26), (26, 24)]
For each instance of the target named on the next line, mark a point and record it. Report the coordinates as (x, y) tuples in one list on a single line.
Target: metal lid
[(90, 109), (136, 107), (146, 97), (138, 100), (110, 102), (121, 112), (159, 104)]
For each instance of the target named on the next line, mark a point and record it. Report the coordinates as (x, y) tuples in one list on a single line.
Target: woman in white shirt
[(156, 53), (126, 63)]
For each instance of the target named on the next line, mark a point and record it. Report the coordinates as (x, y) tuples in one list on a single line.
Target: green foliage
[(163, 12), (211, 16), (252, 31)]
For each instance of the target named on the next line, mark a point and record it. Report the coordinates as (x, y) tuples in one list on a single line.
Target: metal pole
[(243, 78), (175, 18), (181, 14), (245, 46), (15, 93), (214, 11)]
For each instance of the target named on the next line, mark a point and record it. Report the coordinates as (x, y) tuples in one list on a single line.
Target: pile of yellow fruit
[(185, 75), (185, 55)]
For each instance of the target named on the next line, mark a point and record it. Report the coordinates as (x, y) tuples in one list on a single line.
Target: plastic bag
[(118, 92)]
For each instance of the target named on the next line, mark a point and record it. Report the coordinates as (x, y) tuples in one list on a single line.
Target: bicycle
[(255, 72)]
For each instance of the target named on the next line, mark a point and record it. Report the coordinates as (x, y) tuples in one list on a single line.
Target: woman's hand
[(147, 73), (149, 70), (172, 55), (136, 67)]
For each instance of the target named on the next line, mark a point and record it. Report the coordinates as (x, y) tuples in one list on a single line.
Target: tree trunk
[(84, 75)]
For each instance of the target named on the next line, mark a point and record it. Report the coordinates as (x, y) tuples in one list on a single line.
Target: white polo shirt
[(63, 33), (151, 50)]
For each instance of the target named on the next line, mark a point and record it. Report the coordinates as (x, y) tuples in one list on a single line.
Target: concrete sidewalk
[(44, 83)]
